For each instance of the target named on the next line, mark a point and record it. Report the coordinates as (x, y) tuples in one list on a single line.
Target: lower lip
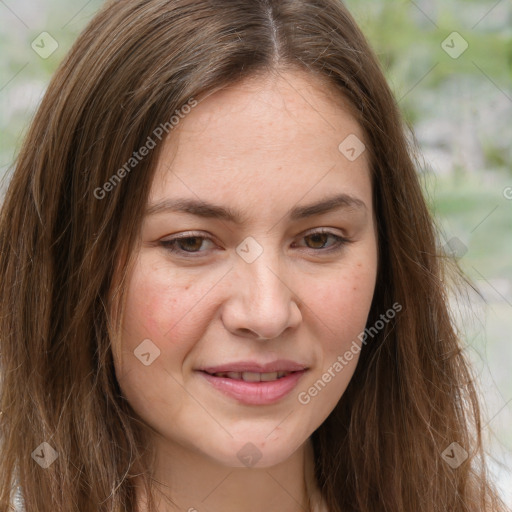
[(255, 393)]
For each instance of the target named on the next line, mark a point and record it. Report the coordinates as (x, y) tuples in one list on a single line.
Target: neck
[(188, 481)]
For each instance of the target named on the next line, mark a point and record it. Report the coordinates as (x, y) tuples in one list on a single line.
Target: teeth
[(252, 376), (264, 377)]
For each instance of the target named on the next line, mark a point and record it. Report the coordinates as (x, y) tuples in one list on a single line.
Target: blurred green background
[(449, 64)]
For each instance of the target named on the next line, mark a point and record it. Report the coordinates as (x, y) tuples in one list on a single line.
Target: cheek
[(164, 308), (341, 306), (343, 302)]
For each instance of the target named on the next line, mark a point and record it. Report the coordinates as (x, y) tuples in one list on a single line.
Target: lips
[(253, 383), (281, 365), (252, 376)]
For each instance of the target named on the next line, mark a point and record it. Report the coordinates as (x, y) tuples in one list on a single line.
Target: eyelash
[(171, 244)]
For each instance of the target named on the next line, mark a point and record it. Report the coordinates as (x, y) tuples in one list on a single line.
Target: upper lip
[(281, 365)]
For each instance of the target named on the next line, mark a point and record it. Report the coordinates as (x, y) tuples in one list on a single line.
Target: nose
[(261, 303)]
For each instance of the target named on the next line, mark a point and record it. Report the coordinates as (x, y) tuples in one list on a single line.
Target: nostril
[(248, 333)]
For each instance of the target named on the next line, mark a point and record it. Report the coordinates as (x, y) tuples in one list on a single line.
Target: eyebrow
[(210, 210)]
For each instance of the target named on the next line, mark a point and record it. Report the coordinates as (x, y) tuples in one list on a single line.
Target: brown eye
[(318, 240), (191, 244)]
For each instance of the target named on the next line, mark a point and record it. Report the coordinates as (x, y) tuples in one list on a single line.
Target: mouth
[(254, 384), (252, 376)]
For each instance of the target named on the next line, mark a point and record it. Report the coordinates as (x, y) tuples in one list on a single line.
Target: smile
[(252, 376), (254, 388)]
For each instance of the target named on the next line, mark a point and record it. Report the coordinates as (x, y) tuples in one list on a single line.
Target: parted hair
[(65, 253)]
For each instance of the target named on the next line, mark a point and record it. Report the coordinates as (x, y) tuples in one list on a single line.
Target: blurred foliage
[(476, 88)]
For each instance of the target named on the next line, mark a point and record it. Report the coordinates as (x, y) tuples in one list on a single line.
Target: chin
[(255, 452)]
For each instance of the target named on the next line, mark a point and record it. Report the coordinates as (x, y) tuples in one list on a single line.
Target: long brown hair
[(65, 251)]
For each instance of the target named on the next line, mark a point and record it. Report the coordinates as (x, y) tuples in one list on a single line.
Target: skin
[(260, 147)]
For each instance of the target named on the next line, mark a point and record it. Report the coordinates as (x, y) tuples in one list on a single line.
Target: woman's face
[(255, 274)]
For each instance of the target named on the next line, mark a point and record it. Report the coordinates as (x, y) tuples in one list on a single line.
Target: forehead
[(268, 137)]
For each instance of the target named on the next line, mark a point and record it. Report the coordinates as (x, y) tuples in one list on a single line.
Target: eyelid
[(322, 230), (187, 234)]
